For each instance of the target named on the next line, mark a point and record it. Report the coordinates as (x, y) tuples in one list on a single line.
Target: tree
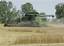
[(27, 7), (5, 11), (29, 12), (59, 10), (10, 5)]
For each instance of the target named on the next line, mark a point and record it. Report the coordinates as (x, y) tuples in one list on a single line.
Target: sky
[(46, 6)]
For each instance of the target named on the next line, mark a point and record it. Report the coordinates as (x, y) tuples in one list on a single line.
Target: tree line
[(9, 14)]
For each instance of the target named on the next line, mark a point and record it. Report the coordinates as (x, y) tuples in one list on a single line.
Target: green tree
[(10, 5), (27, 7), (3, 10), (29, 12), (7, 12), (59, 10), (13, 16)]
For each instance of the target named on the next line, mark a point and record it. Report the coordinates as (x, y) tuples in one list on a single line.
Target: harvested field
[(32, 36)]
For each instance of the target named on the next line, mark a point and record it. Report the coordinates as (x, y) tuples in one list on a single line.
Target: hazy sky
[(47, 6)]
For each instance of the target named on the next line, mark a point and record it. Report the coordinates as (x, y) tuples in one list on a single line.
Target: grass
[(39, 38), (31, 35)]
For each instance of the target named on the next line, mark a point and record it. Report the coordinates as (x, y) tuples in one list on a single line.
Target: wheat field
[(53, 35)]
